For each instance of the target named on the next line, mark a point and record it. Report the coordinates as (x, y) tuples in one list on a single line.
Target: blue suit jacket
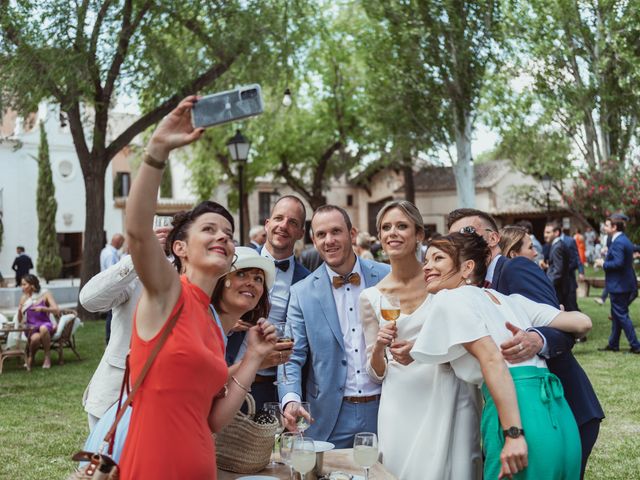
[(318, 346), (521, 275), (618, 266), (574, 256)]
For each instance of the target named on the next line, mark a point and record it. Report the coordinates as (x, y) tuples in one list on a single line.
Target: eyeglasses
[(471, 229)]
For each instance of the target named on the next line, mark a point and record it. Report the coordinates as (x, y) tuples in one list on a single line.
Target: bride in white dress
[(426, 412)]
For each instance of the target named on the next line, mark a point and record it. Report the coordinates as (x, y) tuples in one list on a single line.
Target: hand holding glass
[(390, 307), (365, 451), (303, 416)]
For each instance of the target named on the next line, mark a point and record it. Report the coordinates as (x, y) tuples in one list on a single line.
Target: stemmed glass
[(286, 447), (390, 307), (365, 451), (274, 409), (303, 455), (283, 335), (303, 422)]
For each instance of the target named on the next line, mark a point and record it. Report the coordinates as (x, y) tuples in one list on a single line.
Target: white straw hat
[(249, 258)]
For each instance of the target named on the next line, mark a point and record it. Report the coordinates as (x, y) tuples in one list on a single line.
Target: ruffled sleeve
[(454, 317), (370, 327)]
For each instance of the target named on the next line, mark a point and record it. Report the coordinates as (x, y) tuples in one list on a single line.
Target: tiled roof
[(433, 178)]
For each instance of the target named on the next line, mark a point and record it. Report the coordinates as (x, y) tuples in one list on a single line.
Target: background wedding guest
[(257, 237), (21, 265), (516, 242), (110, 255)]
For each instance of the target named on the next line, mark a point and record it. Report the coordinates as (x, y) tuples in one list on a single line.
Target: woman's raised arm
[(157, 275)]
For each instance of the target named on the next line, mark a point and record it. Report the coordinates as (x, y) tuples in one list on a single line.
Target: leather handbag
[(100, 465)]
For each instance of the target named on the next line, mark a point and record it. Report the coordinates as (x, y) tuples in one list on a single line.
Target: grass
[(42, 421)]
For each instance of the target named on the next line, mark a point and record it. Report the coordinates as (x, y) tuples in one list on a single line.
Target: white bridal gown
[(426, 412)]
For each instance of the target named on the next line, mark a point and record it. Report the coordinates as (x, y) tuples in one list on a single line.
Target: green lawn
[(42, 421)]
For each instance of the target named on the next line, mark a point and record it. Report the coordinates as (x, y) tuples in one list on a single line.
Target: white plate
[(323, 446), (257, 477)]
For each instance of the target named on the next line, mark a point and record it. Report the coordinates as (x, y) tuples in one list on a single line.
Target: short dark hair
[(295, 199), (262, 308), (466, 246), (470, 212), (555, 225), (526, 224), (20, 249), (33, 281), (333, 208), (183, 220), (617, 222)]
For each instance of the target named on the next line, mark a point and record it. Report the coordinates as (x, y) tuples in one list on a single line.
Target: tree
[(85, 54), (49, 260), (443, 48), (582, 65)]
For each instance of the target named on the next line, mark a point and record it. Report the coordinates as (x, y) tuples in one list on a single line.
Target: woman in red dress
[(186, 394)]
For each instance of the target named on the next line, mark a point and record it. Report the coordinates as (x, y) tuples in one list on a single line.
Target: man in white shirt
[(329, 343), (110, 254)]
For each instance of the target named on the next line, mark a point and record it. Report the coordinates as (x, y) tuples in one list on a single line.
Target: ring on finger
[(520, 346), (280, 356)]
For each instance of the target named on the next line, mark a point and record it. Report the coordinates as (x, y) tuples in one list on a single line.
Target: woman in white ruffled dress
[(426, 412)]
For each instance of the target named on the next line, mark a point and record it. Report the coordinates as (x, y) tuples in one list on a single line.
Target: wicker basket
[(245, 446)]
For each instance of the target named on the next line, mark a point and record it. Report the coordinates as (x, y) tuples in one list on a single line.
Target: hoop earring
[(227, 283)]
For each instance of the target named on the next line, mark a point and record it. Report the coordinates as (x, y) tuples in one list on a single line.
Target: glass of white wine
[(303, 422), (390, 307), (303, 455), (286, 447), (275, 410), (365, 451)]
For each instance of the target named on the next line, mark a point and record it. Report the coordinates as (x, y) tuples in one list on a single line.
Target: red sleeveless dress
[(169, 437)]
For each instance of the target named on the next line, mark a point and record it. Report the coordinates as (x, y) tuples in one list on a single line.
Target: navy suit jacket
[(521, 275), (574, 256), (618, 266)]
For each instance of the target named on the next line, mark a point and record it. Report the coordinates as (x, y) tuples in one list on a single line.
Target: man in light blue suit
[(620, 280), (329, 350)]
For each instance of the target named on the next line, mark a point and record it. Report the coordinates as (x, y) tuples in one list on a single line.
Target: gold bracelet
[(152, 162), (239, 384)]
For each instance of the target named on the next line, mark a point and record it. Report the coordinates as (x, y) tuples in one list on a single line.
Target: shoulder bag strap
[(109, 437)]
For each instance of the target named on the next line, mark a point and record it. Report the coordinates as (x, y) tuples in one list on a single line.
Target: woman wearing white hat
[(240, 299)]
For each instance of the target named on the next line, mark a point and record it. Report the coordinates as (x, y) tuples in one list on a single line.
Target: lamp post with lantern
[(239, 147)]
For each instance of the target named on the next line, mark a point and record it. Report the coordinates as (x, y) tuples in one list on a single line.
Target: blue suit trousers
[(621, 321)]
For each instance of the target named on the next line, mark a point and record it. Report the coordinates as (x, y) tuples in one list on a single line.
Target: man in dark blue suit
[(521, 275), (620, 280), (284, 227), (558, 264), (575, 264)]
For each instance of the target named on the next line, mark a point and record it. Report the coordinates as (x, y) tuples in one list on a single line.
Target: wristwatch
[(513, 432)]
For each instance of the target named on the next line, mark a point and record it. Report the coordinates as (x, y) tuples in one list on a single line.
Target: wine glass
[(286, 446), (365, 451), (283, 335), (303, 455), (390, 307), (303, 422), (274, 409)]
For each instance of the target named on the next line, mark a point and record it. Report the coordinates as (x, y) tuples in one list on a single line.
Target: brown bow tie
[(341, 280)]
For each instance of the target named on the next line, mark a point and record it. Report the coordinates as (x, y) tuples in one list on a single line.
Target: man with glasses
[(520, 275)]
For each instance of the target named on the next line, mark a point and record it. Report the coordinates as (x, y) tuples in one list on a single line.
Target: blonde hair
[(408, 208), (511, 238)]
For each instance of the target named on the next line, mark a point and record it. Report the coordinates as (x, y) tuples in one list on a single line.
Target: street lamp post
[(238, 147), (546, 185)]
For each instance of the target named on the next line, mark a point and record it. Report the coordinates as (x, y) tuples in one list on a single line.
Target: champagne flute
[(274, 409), (365, 451), (283, 335), (390, 307), (286, 446), (303, 422), (303, 455)]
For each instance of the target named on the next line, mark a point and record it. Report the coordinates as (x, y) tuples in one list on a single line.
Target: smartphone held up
[(229, 106)]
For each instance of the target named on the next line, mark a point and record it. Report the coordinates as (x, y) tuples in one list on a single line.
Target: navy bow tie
[(282, 265)]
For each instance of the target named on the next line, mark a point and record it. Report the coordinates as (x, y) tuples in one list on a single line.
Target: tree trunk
[(94, 178), (463, 168), (409, 184)]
